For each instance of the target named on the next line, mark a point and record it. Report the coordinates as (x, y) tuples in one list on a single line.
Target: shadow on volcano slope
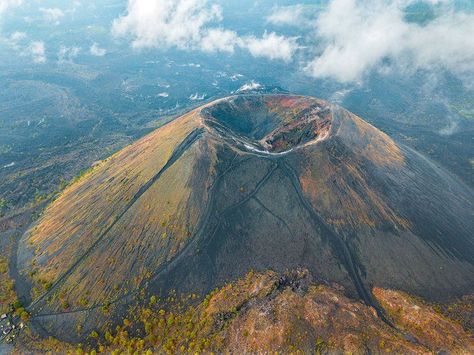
[(249, 182)]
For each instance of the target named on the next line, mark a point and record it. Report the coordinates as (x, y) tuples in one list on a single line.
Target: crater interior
[(270, 123)]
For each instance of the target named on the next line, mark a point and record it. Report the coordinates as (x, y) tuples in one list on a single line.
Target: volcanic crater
[(259, 125), (248, 182)]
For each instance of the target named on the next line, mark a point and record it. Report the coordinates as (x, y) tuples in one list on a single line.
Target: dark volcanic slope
[(262, 182)]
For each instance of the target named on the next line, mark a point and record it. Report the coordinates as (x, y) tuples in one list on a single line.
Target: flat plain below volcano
[(248, 182)]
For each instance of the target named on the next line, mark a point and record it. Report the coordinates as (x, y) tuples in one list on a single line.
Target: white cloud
[(7, 4), (294, 15), (52, 14), (448, 41), (197, 97), (67, 54), (272, 46), (357, 36), (192, 25), (15, 39), (219, 40), (253, 85), (37, 51), (338, 96), (97, 51), (165, 23)]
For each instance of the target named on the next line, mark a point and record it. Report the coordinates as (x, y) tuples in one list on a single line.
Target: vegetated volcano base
[(268, 312), (249, 182)]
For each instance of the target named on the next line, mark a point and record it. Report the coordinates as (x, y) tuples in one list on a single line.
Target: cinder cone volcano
[(250, 182)]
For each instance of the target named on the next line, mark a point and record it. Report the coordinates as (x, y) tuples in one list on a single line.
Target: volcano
[(249, 182)]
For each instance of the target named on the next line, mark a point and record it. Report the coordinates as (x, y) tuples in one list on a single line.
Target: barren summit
[(270, 124), (249, 182)]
